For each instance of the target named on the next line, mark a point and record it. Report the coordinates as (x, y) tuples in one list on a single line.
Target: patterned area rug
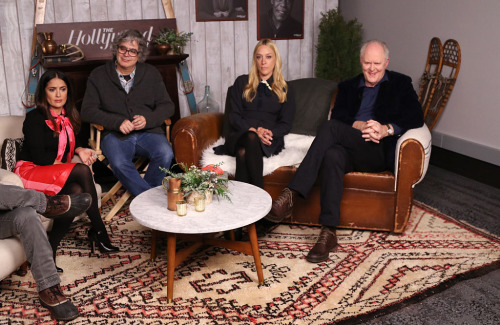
[(372, 272)]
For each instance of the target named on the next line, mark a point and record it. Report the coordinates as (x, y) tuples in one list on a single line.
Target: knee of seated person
[(83, 169), (252, 136), (250, 140), (240, 152), (117, 161), (26, 216), (335, 156), (164, 153)]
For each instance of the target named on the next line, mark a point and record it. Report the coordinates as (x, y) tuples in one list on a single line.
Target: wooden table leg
[(171, 242), (154, 238), (252, 233)]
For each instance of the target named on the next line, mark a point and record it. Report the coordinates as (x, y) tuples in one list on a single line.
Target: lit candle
[(199, 203), (181, 208)]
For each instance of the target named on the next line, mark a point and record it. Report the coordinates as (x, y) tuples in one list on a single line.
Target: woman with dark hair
[(46, 159)]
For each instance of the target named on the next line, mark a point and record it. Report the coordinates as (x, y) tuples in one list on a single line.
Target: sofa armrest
[(412, 159), (419, 136), (192, 134), (11, 254), (9, 178)]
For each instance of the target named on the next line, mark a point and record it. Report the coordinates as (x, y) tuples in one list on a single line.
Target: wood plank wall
[(219, 52)]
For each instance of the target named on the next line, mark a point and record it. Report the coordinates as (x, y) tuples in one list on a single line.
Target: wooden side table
[(248, 205)]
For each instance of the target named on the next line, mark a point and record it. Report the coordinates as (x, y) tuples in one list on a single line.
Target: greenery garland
[(339, 42)]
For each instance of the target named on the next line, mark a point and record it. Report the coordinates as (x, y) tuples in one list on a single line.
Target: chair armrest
[(192, 134), (95, 139), (407, 152), (168, 124), (9, 178)]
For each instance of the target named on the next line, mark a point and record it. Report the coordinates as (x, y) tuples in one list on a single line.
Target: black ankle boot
[(101, 239)]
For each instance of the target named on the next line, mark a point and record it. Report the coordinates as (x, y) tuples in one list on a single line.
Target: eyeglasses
[(132, 52)]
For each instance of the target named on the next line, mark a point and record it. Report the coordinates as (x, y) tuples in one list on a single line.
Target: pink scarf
[(63, 124)]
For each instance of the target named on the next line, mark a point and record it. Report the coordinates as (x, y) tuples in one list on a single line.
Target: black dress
[(264, 111)]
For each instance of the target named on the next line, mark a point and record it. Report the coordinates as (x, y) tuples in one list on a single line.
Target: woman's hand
[(265, 135), (87, 155)]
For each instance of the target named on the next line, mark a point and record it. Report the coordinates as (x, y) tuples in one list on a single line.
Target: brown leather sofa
[(375, 201)]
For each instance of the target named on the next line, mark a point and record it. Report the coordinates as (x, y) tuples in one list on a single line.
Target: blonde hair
[(279, 87)]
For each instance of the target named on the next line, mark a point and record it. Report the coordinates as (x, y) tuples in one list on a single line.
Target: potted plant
[(168, 40), (339, 42), (206, 182)]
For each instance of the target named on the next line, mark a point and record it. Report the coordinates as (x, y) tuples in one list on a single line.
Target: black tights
[(249, 159), (80, 180)]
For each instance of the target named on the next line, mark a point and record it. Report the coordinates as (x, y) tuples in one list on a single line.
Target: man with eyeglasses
[(277, 23), (129, 99)]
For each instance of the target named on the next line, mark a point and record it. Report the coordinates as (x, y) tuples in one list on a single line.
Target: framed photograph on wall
[(280, 19), (220, 10)]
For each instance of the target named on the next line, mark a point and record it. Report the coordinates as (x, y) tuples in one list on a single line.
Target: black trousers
[(249, 159), (337, 149)]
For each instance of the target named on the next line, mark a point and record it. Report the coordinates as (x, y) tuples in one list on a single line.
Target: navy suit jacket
[(396, 103)]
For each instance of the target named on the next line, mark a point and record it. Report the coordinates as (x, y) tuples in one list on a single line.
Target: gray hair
[(383, 44), (130, 35)]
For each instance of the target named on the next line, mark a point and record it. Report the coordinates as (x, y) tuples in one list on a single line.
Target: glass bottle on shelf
[(207, 104)]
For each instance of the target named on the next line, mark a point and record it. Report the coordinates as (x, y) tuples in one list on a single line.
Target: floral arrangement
[(210, 178)]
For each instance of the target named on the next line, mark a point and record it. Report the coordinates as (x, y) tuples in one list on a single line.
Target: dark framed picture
[(280, 19), (218, 10)]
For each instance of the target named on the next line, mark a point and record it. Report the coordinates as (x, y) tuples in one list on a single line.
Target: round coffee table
[(248, 205)]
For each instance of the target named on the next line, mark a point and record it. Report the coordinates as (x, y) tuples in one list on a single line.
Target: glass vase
[(207, 104)]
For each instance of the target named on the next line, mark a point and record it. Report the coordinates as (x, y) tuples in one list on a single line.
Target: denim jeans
[(19, 210), (120, 153)]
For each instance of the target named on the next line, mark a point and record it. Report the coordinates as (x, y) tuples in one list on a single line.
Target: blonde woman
[(262, 111)]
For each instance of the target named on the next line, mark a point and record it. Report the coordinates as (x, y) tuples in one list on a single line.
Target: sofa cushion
[(10, 152), (312, 99), (9, 178), (296, 146), (11, 254)]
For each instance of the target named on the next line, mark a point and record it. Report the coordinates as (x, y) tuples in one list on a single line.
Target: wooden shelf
[(85, 64)]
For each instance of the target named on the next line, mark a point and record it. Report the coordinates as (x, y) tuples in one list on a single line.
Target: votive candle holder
[(199, 203), (181, 208)]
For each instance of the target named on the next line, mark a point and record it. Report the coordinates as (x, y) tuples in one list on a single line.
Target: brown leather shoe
[(67, 205), (282, 206), (326, 243), (56, 302)]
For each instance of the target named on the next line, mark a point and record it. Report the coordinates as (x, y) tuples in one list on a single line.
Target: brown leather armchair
[(375, 201)]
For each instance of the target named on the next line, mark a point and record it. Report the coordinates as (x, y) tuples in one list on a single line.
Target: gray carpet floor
[(472, 301)]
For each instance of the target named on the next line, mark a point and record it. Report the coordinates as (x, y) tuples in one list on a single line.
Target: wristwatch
[(390, 130)]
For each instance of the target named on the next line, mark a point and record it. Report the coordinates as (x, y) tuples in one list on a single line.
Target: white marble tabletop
[(248, 204)]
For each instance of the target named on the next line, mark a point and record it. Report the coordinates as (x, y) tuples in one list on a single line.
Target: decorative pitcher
[(174, 193), (49, 46)]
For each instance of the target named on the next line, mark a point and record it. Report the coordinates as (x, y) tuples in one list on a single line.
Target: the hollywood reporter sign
[(95, 38)]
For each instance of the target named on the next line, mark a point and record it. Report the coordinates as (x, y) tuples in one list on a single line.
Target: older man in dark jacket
[(129, 99), (371, 111)]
